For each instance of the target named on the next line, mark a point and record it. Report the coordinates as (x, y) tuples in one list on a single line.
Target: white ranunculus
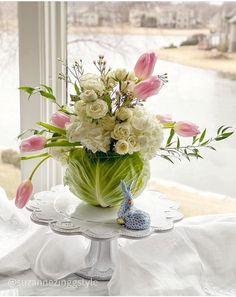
[(96, 109), (89, 96), (91, 81), (120, 74), (122, 147), (108, 123), (124, 113), (121, 131)]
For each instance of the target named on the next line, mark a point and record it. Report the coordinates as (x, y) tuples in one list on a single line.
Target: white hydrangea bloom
[(59, 154), (94, 129), (97, 139), (140, 123), (90, 134), (148, 132)]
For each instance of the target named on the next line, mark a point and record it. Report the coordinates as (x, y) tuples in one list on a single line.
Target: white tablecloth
[(198, 257)]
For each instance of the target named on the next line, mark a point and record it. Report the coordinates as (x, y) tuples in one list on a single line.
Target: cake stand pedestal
[(65, 214)]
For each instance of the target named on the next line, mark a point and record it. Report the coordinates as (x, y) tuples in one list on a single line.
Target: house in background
[(224, 24), (232, 34)]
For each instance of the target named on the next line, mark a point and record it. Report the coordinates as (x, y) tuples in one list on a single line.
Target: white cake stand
[(67, 215)]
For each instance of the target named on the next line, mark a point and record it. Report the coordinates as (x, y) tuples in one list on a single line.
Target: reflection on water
[(192, 94)]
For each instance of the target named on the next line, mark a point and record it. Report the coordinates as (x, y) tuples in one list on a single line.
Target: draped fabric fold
[(198, 257)]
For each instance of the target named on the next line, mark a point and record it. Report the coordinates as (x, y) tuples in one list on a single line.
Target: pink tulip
[(33, 143), (148, 88), (164, 118), (186, 129), (59, 119), (23, 193), (145, 65)]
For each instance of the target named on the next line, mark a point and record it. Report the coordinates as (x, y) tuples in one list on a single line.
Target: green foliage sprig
[(174, 150)]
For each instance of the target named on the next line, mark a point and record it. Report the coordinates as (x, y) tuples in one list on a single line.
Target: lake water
[(201, 96)]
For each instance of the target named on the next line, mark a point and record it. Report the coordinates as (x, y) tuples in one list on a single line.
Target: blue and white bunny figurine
[(129, 216)]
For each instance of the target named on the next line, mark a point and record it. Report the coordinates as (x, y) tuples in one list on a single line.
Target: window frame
[(42, 39)]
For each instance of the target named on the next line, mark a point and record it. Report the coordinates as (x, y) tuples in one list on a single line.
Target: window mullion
[(42, 39)]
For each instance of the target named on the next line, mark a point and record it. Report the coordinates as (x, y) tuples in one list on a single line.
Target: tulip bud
[(148, 88), (164, 118), (33, 143), (23, 193), (186, 129), (145, 65), (60, 119)]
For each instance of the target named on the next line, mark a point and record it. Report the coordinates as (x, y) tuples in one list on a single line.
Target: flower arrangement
[(106, 135)]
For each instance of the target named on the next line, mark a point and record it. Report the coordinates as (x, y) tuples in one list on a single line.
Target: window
[(118, 30), (42, 30), (9, 100), (193, 94)]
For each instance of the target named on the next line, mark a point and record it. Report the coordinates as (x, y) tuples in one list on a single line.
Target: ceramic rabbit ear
[(130, 186), (123, 186)]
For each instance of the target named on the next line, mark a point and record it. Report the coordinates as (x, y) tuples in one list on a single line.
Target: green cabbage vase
[(95, 178)]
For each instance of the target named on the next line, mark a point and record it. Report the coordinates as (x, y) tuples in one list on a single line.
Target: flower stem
[(33, 157), (37, 166)]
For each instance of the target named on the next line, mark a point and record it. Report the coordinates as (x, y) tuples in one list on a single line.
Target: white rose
[(88, 96), (133, 143), (124, 113), (96, 109), (91, 81), (108, 123), (121, 131), (120, 74), (80, 108), (122, 147)]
